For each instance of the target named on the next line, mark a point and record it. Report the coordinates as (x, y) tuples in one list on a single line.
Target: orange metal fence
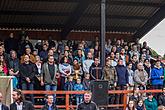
[(67, 94)]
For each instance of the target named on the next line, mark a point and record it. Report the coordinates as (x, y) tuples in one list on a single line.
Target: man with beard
[(19, 102)]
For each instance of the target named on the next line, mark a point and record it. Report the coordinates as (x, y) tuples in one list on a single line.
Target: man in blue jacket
[(122, 76), (157, 76)]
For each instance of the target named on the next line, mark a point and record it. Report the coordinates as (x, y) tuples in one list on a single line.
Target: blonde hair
[(161, 107)]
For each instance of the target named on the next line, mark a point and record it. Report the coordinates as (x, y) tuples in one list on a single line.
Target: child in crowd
[(140, 105), (86, 82), (69, 85), (3, 66), (78, 87)]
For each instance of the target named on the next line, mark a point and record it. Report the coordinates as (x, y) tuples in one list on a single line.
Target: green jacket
[(151, 105), (2, 73)]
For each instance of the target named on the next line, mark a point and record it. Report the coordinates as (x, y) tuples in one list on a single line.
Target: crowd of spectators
[(72, 65)]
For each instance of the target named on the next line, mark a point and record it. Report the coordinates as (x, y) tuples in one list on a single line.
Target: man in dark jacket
[(87, 104), (27, 74), (11, 43), (49, 75), (96, 70), (122, 76), (161, 99), (19, 102), (50, 105), (2, 106)]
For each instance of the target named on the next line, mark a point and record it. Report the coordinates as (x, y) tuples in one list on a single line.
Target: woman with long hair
[(131, 105), (3, 66)]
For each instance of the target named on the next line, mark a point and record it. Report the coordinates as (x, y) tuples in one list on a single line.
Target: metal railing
[(67, 94)]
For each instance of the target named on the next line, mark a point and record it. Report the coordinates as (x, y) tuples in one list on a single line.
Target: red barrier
[(68, 93)]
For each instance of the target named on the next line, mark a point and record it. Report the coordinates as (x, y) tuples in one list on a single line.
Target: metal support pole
[(102, 31)]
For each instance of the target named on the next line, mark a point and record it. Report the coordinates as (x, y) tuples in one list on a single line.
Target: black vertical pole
[(103, 31)]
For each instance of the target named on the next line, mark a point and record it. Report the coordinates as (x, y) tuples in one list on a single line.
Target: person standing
[(2, 106), (87, 63), (157, 77), (122, 82), (110, 75), (65, 71), (96, 72), (19, 102), (87, 104), (49, 105), (79, 87), (14, 68), (49, 75), (11, 43), (140, 77), (151, 103), (161, 99), (27, 74), (131, 105)]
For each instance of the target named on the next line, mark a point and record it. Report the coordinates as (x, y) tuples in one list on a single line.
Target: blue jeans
[(79, 99), (51, 88), (28, 86)]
